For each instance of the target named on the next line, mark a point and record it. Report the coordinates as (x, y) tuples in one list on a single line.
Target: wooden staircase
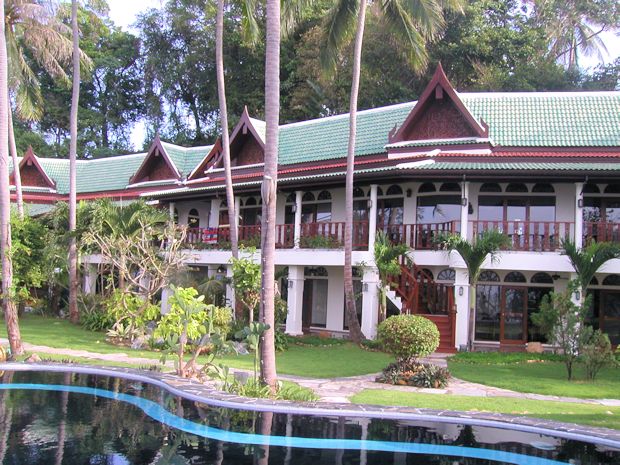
[(421, 295)]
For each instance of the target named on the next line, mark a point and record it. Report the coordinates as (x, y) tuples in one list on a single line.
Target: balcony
[(527, 236)]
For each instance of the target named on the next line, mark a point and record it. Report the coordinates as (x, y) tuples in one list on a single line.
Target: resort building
[(538, 167)]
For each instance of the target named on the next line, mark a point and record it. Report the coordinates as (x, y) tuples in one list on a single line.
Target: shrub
[(597, 353), (281, 340), (408, 337), (422, 375)]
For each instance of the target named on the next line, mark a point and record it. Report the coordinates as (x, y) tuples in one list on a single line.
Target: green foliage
[(502, 358), (30, 262), (316, 341), (422, 375), (319, 242), (589, 259), (94, 315), (408, 337), (280, 340), (251, 335), (596, 353), (562, 321), (386, 255), (295, 392), (130, 311), (246, 281)]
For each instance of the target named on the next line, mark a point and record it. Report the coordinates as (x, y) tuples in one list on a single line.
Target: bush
[(281, 340), (597, 353), (408, 337), (94, 315), (422, 375)]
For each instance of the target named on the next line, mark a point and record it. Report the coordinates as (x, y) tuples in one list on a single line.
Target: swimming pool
[(103, 418)]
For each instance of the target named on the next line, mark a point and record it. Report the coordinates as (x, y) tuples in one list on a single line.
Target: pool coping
[(196, 391)]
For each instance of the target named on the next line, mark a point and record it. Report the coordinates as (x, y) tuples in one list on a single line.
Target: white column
[(297, 230), (89, 285), (295, 300), (462, 306), (230, 292), (171, 211), (370, 302), (238, 213), (372, 218), (214, 215), (465, 209), (578, 215)]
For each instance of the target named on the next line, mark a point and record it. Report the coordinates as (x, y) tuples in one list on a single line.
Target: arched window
[(251, 212), (358, 192), (591, 189), (516, 187), (543, 187), (611, 280), (490, 187), (316, 271), (193, 218), (291, 198), (176, 216), (450, 187), (426, 274), (541, 278), (612, 189), (515, 277), (489, 276), (593, 281), (324, 195), (250, 202), (394, 190), (308, 197), (427, 187), (447, 275)]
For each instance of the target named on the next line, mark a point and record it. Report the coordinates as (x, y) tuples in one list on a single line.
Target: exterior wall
[(31, 177), (203, 207), (441, 120)]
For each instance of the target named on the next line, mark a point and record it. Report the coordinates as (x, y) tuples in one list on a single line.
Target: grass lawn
[(312, 361), (594, 415), (546, 376)]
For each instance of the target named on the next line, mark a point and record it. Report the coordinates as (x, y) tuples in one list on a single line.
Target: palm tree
[(221, 95), (73, 123), (416, 22), (588, 260), (8, 305), (268, 191), (487, 244), (386, 255), (575, 26)]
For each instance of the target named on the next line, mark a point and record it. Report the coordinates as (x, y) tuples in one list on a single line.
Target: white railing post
[(465, 210), (372, 218), (578, 215), (297, 229)]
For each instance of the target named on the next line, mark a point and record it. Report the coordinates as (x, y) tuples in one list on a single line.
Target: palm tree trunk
[(270, 182), (471, 317), (16, 174), (221, 95), (73, 260), (355, 332), (8, 306)]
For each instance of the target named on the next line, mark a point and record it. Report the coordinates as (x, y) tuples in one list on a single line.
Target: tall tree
[(75, 97), (416, 22), (8, 305), (221, 95), (488, 244), (268, 191)]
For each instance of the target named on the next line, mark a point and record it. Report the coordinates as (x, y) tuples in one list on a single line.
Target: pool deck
[(207, 394)]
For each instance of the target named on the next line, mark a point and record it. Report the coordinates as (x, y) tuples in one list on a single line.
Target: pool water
[(68, 418)]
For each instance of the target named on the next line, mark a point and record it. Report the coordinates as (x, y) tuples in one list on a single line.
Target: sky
[(124, 13)]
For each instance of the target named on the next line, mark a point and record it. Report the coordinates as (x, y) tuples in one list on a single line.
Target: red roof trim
[(439, 79)]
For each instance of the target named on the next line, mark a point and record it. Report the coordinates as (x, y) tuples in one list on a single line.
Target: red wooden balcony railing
[(423, 236), (600, 231), (329, 235), (285, 236), (545, 236)]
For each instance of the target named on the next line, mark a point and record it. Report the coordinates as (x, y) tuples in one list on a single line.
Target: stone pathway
[(339, 390)]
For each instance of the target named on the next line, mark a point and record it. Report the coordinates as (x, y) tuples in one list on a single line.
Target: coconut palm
[(486, 245), (589, 259), (416, 22), (8, 305), (73, 122), (268, 191)]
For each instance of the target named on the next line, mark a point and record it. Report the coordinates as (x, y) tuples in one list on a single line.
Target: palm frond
[(340, 23), (250, 32), (588, 260)]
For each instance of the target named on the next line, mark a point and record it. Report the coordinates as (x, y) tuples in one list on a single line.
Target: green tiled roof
[(186, 158), (569, 119)]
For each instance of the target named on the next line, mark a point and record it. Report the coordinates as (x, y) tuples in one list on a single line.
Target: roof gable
[(247, 147), (32, 173), (439, 114), (156, 166)]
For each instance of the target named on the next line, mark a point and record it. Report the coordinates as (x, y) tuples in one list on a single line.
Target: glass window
[(543, 187), (612, 280), (612, 189), (427, 187), (360, 210), (542, 209), (394, 190), (446, 275), (542, 278), (592, 209), (612, 211), (490, 187), (515, 277), (489, 276), (534, 298), (323, 212), (358, 192), (487, 312), (450, 187), (490, 208), (438, 209), (193, 218), (308, 197), (516, 187), (324, 195)]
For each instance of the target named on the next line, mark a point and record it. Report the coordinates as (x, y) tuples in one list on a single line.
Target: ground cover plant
[(534, 373), (570, 412)]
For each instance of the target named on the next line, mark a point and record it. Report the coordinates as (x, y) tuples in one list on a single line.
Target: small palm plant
[(386, 255), (474, 253), (587, 260)]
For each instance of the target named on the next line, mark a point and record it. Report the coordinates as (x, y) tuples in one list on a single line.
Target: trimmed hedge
[(408, 337)]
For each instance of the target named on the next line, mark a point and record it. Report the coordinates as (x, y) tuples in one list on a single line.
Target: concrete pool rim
[(198, 392)]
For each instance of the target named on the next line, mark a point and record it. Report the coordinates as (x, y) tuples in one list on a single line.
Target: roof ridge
[(572, 93)]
